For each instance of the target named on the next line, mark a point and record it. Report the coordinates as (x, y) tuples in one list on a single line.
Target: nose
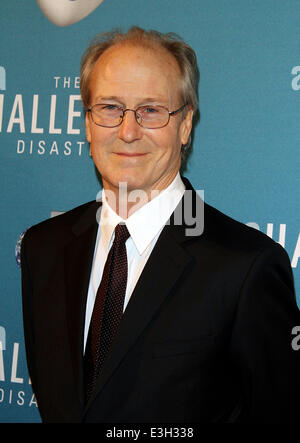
[(129, 130)]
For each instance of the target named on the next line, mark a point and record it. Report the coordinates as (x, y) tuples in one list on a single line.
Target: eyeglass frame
[(135, 113)]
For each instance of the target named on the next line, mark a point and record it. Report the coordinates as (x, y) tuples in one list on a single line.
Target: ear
[(88, 127), (186, 126)]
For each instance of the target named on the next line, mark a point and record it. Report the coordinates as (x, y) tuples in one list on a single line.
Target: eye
[(152, 113), (110, 107), (150, 110), (147, 112)]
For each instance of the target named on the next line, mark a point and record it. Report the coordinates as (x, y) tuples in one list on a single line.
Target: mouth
[(130, 154)]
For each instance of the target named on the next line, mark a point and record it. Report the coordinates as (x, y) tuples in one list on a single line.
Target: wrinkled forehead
[(158, 52), (146, 70)]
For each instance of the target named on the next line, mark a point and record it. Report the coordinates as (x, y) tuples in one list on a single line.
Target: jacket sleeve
[(267, 366), (27, 306)]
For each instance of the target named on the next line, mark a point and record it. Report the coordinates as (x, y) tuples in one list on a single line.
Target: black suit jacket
[(205, 338)]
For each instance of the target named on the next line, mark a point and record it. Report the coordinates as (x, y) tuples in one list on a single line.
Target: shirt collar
[(144, 224), (109, 219)]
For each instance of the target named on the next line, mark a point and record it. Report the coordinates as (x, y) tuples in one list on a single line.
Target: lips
[(130, 154)]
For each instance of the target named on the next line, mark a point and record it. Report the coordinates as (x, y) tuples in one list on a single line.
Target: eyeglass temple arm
[(177, 110)]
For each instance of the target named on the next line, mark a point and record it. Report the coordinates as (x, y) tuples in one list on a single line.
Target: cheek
[(98, 149), (100, 140), (171, 145), (168, 140)]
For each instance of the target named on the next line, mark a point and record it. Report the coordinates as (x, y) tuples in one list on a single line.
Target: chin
[(127, 181), (131, 184)]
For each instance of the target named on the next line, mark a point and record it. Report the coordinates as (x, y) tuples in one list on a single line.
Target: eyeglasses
[(150, 117)]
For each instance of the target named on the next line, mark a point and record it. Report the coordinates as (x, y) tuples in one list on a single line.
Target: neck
[(126, 202)]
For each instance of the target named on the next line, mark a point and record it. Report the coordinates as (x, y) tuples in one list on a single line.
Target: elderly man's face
[(146, 159)]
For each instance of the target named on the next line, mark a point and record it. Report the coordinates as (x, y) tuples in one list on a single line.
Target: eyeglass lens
[(147, 116)]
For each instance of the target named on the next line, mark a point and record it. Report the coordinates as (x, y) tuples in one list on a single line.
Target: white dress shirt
[(144, 226)]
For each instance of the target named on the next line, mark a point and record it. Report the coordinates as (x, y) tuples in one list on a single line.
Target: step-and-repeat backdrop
[(246, 147)]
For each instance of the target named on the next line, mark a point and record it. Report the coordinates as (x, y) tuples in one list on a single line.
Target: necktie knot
[(121, 233)]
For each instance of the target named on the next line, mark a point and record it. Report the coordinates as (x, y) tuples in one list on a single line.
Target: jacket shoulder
[(224, 232), (59, 227), (233, 234)]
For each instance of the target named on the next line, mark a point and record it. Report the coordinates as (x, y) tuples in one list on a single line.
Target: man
[(204, 335)]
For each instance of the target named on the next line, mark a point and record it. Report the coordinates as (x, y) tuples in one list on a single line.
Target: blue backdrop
[(246, 147)]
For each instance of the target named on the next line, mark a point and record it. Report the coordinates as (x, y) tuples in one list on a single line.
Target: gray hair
[(181, 51)]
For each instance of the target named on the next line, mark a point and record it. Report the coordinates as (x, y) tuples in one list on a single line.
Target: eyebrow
[(142, 100), (111, 97)]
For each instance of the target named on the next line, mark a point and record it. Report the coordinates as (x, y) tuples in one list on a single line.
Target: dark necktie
[(108, 309)]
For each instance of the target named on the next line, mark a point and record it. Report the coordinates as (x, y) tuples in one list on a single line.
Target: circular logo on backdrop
[(67, 12)]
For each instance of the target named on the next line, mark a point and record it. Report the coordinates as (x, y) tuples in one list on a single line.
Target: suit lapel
[(164, 267), (78, 262)]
